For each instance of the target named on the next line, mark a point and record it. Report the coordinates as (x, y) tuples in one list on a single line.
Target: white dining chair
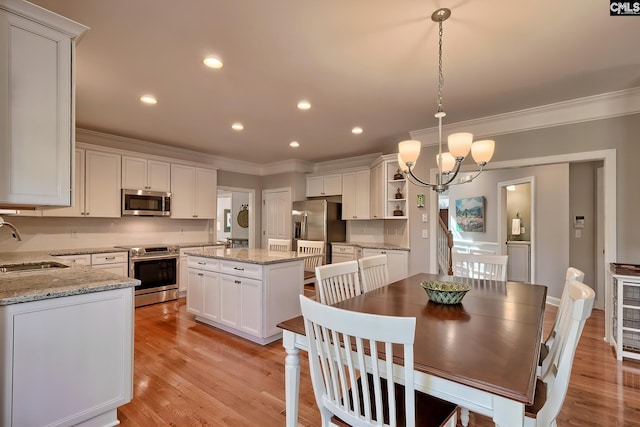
[(476, 266), (337, 282), (572, 275), (551, 390), (311, 247), (346, 393), (374, 272), (279, 245)]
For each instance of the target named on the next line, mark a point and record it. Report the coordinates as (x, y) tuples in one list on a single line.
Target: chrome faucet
[(14, 231)]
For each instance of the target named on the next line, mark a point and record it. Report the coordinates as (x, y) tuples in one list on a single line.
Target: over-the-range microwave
[(145, 203)]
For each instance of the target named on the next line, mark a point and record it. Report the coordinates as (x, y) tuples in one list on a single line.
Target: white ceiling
[(370, 63)]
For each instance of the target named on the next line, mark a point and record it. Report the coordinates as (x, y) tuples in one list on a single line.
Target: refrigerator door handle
[(304, 227)]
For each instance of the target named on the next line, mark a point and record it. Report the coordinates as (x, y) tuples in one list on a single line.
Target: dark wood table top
[(491, 341)]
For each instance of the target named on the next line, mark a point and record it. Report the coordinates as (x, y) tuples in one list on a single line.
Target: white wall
[(48, 234)]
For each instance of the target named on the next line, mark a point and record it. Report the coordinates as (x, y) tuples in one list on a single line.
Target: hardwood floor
[(190, 374)]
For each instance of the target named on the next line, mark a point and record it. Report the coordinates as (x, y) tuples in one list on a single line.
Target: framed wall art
[(227, 220), (470, 214)]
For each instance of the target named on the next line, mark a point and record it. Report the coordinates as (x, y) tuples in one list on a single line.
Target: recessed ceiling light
[(356, 130), (237, 126), (212, 62), (148, 99), (304, 105), (294, 144)]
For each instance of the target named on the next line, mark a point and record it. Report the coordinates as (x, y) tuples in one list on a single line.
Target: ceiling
[(367, 63)]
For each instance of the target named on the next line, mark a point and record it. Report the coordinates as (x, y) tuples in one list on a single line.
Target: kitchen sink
[(31, 266)]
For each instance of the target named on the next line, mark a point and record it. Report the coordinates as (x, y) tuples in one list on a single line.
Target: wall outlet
[(425, 234)]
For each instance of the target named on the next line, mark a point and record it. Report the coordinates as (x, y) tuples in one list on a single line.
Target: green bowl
[(445, 292)]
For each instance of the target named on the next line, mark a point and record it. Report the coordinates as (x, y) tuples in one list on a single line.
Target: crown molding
[(348, 163), (596, 107)]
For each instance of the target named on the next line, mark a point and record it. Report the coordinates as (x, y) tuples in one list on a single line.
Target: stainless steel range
[(156, 266)]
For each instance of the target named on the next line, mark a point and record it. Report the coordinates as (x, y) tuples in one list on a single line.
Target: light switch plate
[(425, 234), (425, 217)]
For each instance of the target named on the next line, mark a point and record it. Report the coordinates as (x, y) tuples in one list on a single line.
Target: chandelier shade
[(459, 144)]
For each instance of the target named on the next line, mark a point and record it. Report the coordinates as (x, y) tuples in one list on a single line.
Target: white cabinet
[(145, 174), (244, 298), (67, 360), (97, 186), (397, 261), (519, 261), (324, 185), (342, 253), (37, 120), (193, 192), (377, 190), (624, 334), (183, 267), (356, 195), (113, 262)]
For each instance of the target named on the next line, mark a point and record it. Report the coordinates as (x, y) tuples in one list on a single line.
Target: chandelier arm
[(452, 175), (469, 179), (417, 181)]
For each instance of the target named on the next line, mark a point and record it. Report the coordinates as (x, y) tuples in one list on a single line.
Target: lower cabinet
[(66, 361), (246, 299), (397, 262), (113, 262), (182, 265)]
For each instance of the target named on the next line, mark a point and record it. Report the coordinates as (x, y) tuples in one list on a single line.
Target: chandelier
[(459, 143)]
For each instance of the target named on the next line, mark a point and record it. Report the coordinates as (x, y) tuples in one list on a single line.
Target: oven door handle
[(152, 258)]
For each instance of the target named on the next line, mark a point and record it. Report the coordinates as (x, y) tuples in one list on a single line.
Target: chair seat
[(430, 411), (539, 400), (309, 275)]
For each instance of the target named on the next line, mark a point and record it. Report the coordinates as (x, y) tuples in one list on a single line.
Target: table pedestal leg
[(291, 378)]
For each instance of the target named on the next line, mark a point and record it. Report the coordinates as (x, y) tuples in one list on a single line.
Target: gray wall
[(582, 190), (620, 133), (295, 180), (252, 182)]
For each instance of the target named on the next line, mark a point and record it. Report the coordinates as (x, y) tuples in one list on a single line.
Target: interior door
[(276, 214)]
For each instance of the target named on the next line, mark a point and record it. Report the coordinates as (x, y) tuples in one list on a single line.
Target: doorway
[(235, 219), (276, 214)]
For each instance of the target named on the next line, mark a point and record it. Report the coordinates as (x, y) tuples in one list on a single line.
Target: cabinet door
[(333, 185), (102, 184), (158, 176), (211, 295), (206, 193), (195, 291), (120, 269), (349, 196), (315, 186), (230, 300), (183, 179), (84, 259), (77, 207), (363, 188), (134, 173), (377, 197), (35, 113), (251, 306), (397, 262)]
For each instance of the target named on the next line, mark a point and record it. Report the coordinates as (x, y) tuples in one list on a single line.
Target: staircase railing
[(445, 245)]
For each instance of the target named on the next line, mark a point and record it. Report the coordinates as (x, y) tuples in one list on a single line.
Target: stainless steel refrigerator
[(318, 220)]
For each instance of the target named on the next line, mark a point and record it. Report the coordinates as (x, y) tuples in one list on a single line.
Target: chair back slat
[(337, 282), (374, 272), (311, 247), (279, 245), (489, 267)]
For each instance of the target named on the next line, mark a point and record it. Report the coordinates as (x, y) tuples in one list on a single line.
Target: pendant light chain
[(440, 113)]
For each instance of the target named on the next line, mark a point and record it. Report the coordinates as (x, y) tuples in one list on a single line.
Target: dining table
[(481, 354)]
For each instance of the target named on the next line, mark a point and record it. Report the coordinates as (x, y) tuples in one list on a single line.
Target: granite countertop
[(192, 244), (249, 255), (26, 286), (369, 245)]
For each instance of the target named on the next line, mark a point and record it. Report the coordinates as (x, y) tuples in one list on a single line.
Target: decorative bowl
[(445, 292)]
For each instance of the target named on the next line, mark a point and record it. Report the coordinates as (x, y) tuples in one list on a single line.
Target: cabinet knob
[(238, 268), (200, 274), (237, 282), (87, 213), (202, 263), (109, 258)]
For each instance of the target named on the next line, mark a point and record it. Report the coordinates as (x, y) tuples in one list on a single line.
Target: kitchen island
[(67, 342), (245, 291)]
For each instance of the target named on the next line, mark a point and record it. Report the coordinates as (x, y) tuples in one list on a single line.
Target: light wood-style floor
[(190, 374)]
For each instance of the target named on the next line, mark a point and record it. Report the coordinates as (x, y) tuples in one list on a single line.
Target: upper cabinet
[(193, 192), (37, 122), (324, 185), (97, 186), (355, 195), (377, 196), (389, 190), (145, 174)]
